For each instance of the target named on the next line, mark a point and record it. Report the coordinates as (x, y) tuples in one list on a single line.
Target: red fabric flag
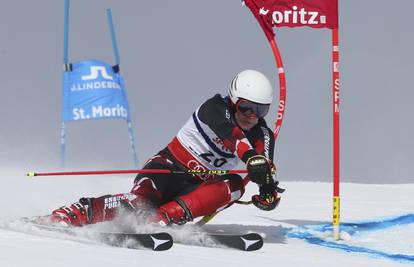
[(294, 13)]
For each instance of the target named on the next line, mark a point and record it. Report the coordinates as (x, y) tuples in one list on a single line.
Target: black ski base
[(158, 241), (155, 241), (246, 242)]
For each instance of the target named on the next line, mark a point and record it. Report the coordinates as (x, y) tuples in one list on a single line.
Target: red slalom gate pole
[(282, 86), (198, 172), (336, 154)]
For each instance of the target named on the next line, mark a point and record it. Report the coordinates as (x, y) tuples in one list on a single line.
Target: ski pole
[(207, 218), (203, 221), (196, 172)]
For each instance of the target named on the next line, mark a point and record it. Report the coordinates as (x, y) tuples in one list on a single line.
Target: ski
[(155, 241), (158, 241), (245, 242)]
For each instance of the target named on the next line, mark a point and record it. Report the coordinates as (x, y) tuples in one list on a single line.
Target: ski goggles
[(251, 109)]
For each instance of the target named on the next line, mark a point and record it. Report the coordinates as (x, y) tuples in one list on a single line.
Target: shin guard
[(206, 199)]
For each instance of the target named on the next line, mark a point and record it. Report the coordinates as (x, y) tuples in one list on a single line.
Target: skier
[(221, 133)]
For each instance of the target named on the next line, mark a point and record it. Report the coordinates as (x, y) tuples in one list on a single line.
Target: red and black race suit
[(211, 139)]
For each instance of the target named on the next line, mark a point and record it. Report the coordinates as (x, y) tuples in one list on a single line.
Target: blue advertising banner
[(92, 90)]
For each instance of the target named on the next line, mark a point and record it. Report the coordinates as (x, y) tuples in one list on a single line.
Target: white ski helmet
[(251, 85)]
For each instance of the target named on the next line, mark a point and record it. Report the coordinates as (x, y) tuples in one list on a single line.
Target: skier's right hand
[(268, 198), (259, 170), (266, 202)]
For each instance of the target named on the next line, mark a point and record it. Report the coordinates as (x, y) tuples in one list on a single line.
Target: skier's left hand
[(260, 169)]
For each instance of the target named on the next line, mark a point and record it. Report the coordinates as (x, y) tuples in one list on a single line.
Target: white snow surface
[(303, 203)]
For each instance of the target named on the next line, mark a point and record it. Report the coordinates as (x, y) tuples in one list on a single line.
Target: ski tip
[(155, 241), (162, 241), (256, 241), (252, 241), (245, 242)]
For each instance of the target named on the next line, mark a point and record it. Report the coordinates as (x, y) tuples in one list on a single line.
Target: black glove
[(268, 199), (259, 170)]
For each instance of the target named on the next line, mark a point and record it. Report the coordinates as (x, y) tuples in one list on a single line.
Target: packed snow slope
[(305, 208)]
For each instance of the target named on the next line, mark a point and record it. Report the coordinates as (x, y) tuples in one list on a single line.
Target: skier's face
[(248, 113), (245, 122), (252, 109)]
